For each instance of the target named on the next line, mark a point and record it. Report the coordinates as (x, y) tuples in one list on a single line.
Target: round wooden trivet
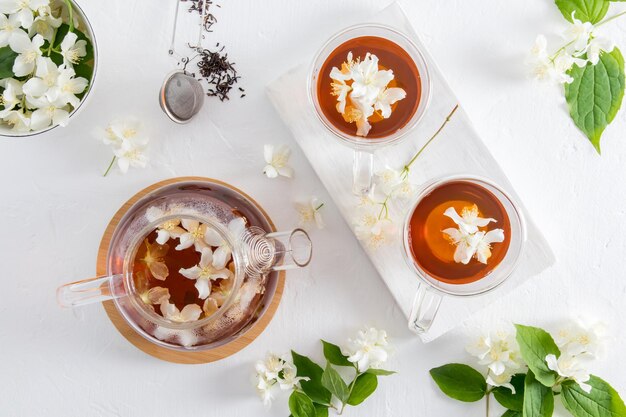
[(168, 354)]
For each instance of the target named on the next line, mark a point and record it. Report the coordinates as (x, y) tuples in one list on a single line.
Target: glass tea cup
[(431, 290), (364, 148), (254, 254)]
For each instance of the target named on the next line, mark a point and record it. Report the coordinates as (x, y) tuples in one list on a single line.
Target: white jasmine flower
[(289, 380), (155, 295), (367, 80), (11, 96), (271, 367), (45, 23), (339, 86), (371, 228), (122, 131), (193, 236), (499, 352), (154, 260), (273, 372), (596, 46), (28, 50), (131, 154), (386, 98), (394, 184), (9, 29), (266, 390), (72, 49), (310, 213), (191, 312), (468, 221), (502, 380), (24, 10), (466, 243), (370, 349), (209, 269), (483, 247), (19, 121), (539, 49), (169, 230), (571, 367), (578, 338), (48, 112), (236, 227), (360, 114), (67, 87), (276, 159), (578, 33), (45, 78), (480, 347), (563, 63)]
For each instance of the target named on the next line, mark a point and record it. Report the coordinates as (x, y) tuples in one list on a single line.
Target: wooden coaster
[(167, 354)]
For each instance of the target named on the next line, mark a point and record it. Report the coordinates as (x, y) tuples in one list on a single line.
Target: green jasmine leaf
[(602, 401), (301, 406), (595, 95), (333, 382), (333, 354), (512, 413), (7, 58), (461, 382), (364, 385), (586, 10), (321, 410), (382, 372), (505, 396), (538, 399), (313, 387), (535, 344)]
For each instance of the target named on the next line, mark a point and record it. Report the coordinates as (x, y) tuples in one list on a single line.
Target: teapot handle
[(92, 290)]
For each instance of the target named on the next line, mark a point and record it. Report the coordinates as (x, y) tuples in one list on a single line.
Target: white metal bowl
[(87, 29)]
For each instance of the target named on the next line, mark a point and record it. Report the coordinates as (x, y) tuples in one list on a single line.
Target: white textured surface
[(55, 205), (456, 151)]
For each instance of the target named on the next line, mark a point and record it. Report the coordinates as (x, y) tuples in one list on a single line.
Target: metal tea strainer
[(182, 95)]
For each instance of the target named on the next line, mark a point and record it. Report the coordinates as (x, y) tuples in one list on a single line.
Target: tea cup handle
[(93, 290), (424, 309), (363, 172)]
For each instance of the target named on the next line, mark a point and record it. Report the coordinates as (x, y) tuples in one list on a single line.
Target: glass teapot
[(191, 266)]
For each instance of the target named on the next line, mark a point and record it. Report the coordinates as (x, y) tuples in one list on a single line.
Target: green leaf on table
[(505, 396), (313, 387), (602, 401), (538, 399), (535, 344), (301, 406), (333, 354), (381, 372), (333, 382), (585, 10), (7, 59), (512, 413), (595, 96), (461, 382), (364, 385), (321, 410)]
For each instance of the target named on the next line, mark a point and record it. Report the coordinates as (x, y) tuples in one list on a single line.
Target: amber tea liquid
[(430, 248), (391, 56)]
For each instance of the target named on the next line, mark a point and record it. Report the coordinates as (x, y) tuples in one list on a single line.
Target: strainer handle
[(92, 290)]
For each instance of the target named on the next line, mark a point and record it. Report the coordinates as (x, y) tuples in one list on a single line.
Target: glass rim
[(420, 62), (505, 267), (152, 316)]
